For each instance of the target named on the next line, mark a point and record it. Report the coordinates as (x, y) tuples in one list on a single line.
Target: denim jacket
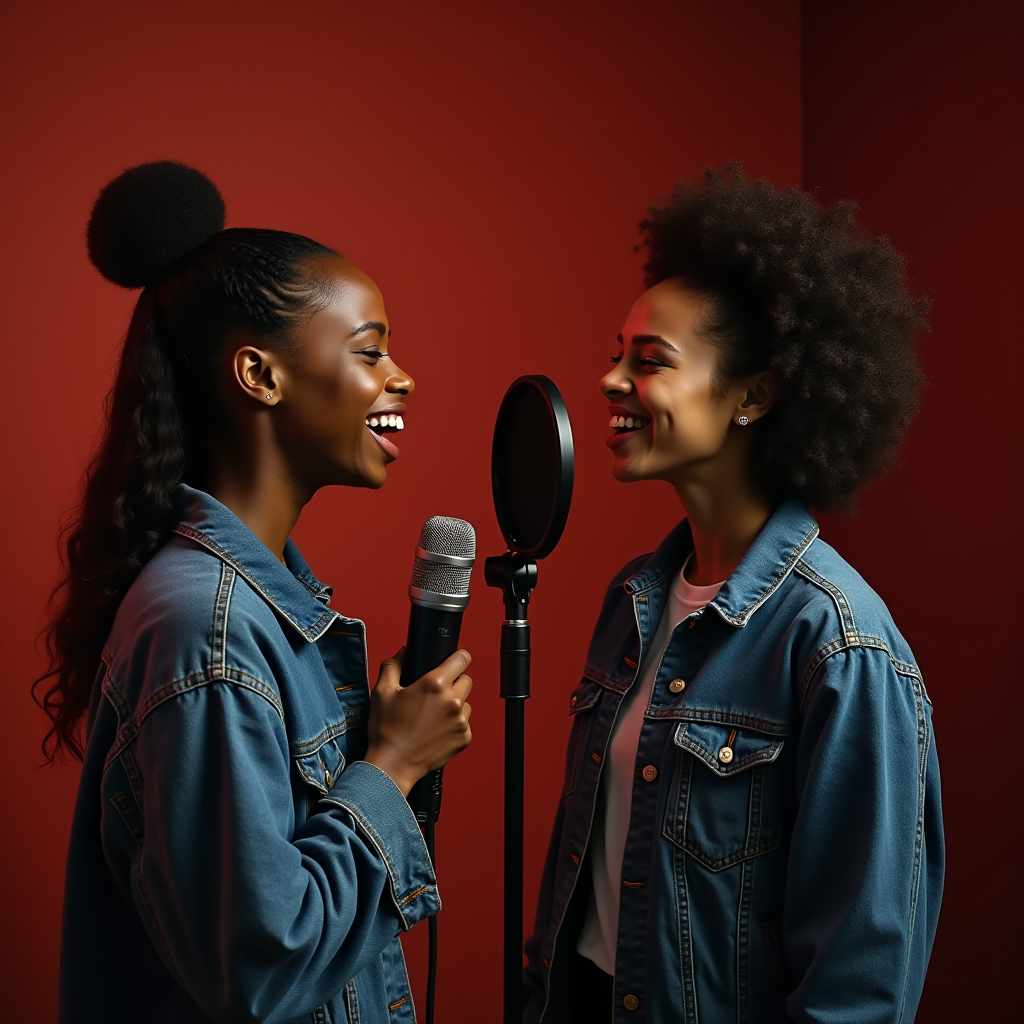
[(784, 856), (231, 858)]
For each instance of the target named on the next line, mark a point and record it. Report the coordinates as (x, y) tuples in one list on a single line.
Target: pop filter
[(532, 466)]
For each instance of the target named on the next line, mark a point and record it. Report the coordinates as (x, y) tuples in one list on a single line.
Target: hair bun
[(148, 218)]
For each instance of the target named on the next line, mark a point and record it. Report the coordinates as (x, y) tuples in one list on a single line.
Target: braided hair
[(160, 227)]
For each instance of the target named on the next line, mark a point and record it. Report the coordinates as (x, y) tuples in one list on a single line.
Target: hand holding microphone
[(415, 735), (417, 729)]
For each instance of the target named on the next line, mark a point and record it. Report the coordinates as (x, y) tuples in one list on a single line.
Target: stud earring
[(269, 396), (743, 421)]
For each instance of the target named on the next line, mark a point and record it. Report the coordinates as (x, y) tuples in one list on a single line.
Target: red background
[(487, 165)]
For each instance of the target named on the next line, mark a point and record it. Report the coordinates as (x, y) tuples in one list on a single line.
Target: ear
[(758, 397), (258, 373)]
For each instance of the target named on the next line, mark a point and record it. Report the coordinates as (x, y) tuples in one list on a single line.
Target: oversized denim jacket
[(231, 858), (784, 857)]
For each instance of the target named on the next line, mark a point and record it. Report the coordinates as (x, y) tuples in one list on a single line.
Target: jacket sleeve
[(259, 920), (866, 860)]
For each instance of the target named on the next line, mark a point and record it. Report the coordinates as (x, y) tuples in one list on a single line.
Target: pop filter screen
[(532, 466)]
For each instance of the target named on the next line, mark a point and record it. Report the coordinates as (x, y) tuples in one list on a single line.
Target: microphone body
[(439, 593)]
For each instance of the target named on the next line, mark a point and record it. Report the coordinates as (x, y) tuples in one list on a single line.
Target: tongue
[(387, 445)]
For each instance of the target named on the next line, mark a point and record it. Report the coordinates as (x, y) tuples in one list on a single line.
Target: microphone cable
[(428, 835)]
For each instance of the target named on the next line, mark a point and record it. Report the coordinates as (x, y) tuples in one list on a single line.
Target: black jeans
[(592, 993)]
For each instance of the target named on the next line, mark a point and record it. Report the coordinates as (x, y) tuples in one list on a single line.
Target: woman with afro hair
[(242, 848), (750, 828)]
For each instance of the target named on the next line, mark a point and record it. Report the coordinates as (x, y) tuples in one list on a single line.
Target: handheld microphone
[(439, 593)]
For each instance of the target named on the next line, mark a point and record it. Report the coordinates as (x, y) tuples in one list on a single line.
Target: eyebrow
[(371, 325), (651, 339)]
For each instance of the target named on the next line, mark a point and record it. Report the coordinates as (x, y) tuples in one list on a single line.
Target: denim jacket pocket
[(723, 804), (583, 698), (321, 761)]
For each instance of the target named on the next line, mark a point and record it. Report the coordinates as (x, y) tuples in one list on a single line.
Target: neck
[(725, 517), (259, 489)]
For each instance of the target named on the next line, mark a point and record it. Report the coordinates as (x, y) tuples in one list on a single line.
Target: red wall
[(916, 110), (487, 165)]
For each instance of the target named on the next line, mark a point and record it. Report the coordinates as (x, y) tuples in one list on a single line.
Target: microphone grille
[(444, 536), (438, 578)]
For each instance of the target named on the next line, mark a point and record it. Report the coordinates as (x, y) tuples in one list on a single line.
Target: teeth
[(386, 422), (628, 422)]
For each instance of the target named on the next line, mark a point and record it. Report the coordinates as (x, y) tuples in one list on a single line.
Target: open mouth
[(385, 424), (627, 424)]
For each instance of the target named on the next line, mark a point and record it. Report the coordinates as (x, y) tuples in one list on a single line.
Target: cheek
[(686, 414)]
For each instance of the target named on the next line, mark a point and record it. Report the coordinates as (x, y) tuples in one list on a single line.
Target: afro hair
[(804, 291)]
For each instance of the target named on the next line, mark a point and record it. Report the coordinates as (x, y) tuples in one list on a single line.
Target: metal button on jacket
[(631, 1002), (676, 686), (725, 755), (650, 773)]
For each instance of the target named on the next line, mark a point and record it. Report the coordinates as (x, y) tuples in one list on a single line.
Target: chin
[(625, 473), (372, 481)]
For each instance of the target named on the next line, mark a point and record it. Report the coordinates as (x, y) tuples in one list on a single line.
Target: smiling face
[(669, 421), (343, 394)]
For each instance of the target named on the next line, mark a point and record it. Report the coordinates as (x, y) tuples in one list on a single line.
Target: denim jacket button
[(676, 686), (650, 773), (631, 1002), (725, 755)]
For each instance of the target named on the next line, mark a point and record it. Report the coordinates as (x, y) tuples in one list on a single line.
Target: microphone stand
[(516, 576)]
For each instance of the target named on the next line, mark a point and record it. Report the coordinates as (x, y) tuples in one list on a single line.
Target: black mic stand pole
[(516, 575)]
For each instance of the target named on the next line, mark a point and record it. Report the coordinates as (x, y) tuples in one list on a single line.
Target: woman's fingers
[(449, 671), (462, 687), (391, 671)]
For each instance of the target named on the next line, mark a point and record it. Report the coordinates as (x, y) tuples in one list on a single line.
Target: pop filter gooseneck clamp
[(531, 481)]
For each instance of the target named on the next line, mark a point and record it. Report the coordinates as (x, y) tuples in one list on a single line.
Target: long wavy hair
[(160, 413)]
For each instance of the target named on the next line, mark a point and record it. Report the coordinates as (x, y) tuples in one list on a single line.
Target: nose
[(615, 382), (399, 382)]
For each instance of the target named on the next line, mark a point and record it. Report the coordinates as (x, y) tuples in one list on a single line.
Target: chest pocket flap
[(726, 750), (583, 698), (321, 766), (723, 806)]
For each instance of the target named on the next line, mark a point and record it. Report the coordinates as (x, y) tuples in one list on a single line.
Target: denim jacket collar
[(294, 592), (769, 560)]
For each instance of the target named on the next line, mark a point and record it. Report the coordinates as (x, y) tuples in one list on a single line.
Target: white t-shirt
[(598, 938)]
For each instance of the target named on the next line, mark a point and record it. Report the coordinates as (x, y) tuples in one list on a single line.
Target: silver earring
[(743, 421), (269, 396)]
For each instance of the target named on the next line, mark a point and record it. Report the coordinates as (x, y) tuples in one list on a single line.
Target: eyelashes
[(647, 362)]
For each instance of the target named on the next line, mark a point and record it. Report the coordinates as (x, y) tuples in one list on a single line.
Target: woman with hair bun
[(750, 828), (241, 848)]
